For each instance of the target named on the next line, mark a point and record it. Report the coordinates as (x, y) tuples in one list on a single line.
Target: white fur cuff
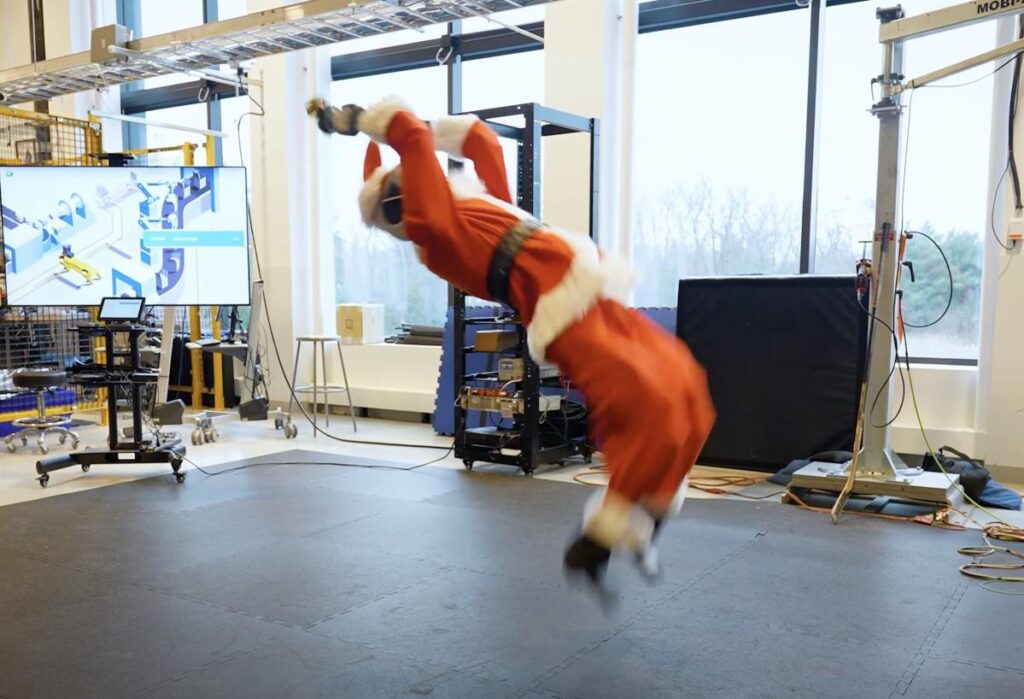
[(450, 133), (375, 120), (614, 522)]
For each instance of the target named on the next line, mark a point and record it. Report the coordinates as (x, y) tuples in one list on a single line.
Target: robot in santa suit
[(648, 404)]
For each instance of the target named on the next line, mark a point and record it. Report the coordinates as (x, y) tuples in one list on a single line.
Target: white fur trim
[(375, 120), (589, 278), (369, 195), (450, 133), (465, 186), (614, 522)]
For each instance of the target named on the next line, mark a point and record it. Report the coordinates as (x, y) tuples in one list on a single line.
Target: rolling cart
[(121, 374)]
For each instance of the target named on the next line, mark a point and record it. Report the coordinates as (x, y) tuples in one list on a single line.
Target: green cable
[(924, 434)]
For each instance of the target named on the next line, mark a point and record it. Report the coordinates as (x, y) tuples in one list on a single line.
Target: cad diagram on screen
[(174, 235)]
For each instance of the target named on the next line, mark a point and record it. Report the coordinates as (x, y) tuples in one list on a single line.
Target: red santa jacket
[(557, 275)]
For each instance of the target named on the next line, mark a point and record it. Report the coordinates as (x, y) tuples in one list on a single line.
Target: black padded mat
[(317, 580)]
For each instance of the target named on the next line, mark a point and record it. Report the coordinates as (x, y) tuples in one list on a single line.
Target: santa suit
[(649, 408)]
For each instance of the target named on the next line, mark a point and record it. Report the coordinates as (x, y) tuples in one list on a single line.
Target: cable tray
[(290, 28)]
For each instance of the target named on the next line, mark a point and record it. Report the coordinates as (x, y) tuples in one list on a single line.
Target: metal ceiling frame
[(229, 42)]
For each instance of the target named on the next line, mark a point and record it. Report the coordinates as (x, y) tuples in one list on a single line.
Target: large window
[(190, 115), (500, 82), (231, 110), (945, 168), (370, 265), (718, 148)]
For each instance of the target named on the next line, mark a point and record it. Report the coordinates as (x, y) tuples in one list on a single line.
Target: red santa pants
[(649, 406)]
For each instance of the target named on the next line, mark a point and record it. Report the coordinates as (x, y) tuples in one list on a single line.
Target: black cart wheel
[(85, 468), (529, 474), (468, 464), (44, 479), (180, 477)]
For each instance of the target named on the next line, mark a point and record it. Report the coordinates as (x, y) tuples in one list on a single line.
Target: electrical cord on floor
[(270, 327), (345, 464), (713, 485)]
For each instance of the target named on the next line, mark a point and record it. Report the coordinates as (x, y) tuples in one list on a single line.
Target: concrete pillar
[(589, 50), (1000, 412), (290, 175)]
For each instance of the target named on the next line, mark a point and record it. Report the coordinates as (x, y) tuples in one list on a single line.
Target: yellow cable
[(956, 484)]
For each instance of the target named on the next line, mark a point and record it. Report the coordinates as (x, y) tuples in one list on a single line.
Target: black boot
[(587, 557)]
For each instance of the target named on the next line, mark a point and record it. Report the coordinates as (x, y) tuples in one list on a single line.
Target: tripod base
[(918, 486)]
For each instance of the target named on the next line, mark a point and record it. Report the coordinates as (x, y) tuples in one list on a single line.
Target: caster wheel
[(210, 435), (180, 477), (468, 465), (43, 449), (291, 431), (12, 447), (278, 423), (74, 444), (43, 480), (588, 459), (85, 468), (197, 438), (24, 441), (63, 438), (529, 474)]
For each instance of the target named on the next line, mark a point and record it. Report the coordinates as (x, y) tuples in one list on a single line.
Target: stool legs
[(320, 384), (348, 391), (323, 367), (295, 376)]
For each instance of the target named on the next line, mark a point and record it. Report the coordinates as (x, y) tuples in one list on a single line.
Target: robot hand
[(330, 119)]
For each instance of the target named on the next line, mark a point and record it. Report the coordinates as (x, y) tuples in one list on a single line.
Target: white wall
[(589, 50), (291, 191), (1001, 398)]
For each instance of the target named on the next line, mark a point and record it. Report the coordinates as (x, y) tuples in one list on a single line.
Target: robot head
[(380, 201)]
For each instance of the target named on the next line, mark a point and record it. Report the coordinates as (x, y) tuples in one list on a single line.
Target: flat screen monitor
[(176, 236), (114, 308)]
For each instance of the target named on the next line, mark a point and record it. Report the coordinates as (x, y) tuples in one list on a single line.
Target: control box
[(508, 404), (511, 369)]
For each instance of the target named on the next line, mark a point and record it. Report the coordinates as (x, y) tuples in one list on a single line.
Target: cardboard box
[(360, 323), (496, 340)]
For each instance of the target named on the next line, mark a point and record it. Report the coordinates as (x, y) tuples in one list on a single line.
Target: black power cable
[(270, 325), (1013, 119), (949, 272)]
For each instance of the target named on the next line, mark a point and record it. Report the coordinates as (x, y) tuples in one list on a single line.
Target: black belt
[(505, 256)]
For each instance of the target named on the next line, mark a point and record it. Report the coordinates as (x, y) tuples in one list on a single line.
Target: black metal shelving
[(534, 437)]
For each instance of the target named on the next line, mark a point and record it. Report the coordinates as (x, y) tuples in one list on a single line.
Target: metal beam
[(946, 18), (812, 137), (1006, 50)]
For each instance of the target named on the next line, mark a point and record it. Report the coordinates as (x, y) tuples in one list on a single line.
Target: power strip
[(507, 405)]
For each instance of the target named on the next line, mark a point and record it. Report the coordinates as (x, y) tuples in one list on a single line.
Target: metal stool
[(320, 341), (40, 382)]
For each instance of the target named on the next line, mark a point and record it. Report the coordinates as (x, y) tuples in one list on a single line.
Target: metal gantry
[(202, 49)]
